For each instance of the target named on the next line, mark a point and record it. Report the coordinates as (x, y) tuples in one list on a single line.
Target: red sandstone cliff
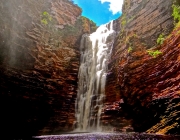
[(148, 84), (39, 60)]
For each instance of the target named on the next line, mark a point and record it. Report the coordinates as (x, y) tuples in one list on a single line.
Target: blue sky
[(100, 11)]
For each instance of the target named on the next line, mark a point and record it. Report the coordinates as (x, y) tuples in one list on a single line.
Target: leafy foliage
[(176, 12), (130, 49), (46, 17), (154, 53), (44, 21), (123, 20), (160, 39)]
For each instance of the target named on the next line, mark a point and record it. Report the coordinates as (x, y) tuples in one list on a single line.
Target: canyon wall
[(142, 89), (39, 61)]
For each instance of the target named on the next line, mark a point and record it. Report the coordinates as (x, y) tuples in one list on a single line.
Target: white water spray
[(95, 51)]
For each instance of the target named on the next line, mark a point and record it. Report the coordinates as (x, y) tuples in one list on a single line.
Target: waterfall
[(95, 50)]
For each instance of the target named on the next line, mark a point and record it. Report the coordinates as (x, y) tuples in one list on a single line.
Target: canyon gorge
[(44, 45)]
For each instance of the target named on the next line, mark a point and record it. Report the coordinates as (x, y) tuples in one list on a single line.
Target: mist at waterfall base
[(95, 51)]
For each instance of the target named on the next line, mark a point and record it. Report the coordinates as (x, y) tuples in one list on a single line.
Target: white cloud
[(115, 6)]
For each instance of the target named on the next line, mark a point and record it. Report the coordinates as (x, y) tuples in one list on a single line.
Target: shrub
[(160, 39), (130, 49), (44, 21), (154, 53), (45, 18), (176, 12)]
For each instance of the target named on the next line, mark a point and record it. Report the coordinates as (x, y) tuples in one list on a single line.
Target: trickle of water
[(95, 51)]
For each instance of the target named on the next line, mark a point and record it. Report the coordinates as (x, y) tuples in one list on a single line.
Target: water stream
[(95, 51)]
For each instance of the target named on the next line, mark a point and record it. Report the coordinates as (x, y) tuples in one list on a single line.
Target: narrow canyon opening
[(60, 73), (95, 50)]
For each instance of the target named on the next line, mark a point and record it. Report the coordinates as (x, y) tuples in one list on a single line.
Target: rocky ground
[(108, 136), (146, 71)]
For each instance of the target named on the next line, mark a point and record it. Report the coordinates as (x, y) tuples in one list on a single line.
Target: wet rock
[(107, 136), (39, 61), (141, 79)]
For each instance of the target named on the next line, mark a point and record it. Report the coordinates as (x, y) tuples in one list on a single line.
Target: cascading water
[(95, 50)]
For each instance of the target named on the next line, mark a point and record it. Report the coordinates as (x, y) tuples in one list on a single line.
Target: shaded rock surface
[(39, 61), (148, 85)]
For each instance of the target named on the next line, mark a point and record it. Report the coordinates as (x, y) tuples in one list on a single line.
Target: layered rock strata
[(39, 61), (147, 80)]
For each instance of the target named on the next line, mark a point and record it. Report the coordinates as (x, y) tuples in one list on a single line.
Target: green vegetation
[(44, 21), (130, 49), (123, 20), (46, 18), (176, 12), (129, 41), (160, 39), (154, 53), (86, 22), (177, 26)]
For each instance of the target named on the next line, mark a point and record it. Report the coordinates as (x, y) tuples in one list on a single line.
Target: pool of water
[(108, 136)]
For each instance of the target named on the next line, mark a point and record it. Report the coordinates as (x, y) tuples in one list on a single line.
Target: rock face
[(145, 81), (147, 19), (39, 61)]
